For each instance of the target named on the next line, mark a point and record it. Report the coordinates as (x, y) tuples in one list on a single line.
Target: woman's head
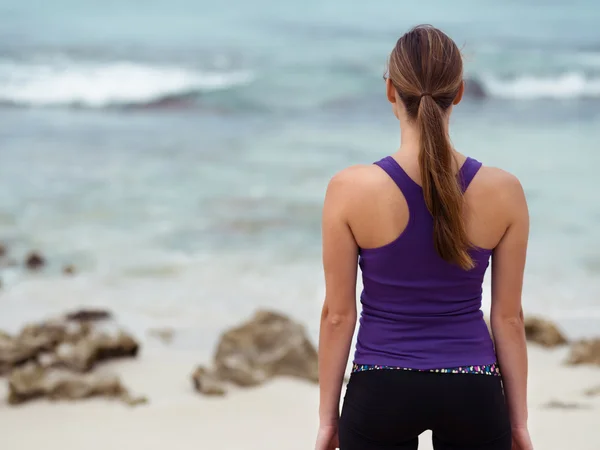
[(425, 80), (426, 63)]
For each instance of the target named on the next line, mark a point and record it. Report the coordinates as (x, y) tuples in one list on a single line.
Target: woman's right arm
[(508, 265)]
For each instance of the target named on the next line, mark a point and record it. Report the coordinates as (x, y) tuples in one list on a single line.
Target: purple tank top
[(419, 311)]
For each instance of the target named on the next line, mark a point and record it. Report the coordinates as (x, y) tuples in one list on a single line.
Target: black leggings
[(388, 409)]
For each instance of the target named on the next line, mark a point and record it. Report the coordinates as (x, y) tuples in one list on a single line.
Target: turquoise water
[(178, 152)]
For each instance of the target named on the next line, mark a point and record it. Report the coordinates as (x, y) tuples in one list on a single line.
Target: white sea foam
[(96, 85), (527, 87)]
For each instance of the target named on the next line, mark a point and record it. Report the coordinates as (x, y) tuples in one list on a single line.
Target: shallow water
[(178, 155)]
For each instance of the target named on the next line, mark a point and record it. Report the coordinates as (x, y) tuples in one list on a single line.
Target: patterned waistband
[(490, 369)]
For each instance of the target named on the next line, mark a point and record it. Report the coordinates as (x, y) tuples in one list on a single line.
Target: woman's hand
[(327, 437), (521, 439)]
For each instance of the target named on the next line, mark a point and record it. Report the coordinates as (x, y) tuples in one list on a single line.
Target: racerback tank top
[(419, 311)]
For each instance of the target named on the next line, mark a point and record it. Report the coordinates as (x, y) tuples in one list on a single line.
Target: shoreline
[(281, 413), (183, 302)]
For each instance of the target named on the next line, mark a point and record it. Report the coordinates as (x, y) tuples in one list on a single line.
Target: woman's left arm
[(338, 317)]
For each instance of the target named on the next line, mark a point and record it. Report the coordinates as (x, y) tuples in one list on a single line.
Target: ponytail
[(443, 194), (426, 69)]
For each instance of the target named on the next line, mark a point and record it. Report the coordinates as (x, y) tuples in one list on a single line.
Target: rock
[(12, 354), (268, 345), (206, 382), (89, 315), (586, 351), (35, 261), (592, 392), (3, 250), (46, 336), (83, 354), (32, 381), (33, 340), (543, 332), (77, 344), (69, 270), (475, 89), (48, 360)]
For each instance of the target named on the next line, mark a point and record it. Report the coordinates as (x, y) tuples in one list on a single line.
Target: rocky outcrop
[(31, 381), (12, 355), (54, 358), (268, 345), (95, 347), (585, 351), (34, 261), (543, 332), (207, 383), (77, 341)]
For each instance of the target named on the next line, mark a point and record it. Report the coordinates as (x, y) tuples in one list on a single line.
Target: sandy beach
[(281, 414), (167, 162)]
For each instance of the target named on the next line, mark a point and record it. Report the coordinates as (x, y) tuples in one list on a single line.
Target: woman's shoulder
[(498, 189), (358, 177), (355, 187), (497, 180)]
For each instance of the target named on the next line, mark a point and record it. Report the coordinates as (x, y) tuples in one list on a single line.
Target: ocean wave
[(527, 87), (95, 85)]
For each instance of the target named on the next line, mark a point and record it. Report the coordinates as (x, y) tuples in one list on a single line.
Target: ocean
[(177, 153)]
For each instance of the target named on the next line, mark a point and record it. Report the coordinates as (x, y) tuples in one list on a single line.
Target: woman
[(423, 225)]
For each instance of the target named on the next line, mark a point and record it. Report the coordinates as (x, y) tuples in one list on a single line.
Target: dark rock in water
[(89, 315), (32, 381), (3, 250), (586, 351), (35, 261), (474, 89), (77, 344), (207, 383), (268, 345), (69, 270), (543, 332)]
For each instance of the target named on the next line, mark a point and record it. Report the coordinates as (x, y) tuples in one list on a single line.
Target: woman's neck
[(409, 147)]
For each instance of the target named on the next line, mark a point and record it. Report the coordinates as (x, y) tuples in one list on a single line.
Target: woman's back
[(423, 225), (418, 310)]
